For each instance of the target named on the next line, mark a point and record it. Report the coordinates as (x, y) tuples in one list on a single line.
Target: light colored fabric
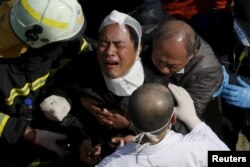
[(125, 85), (242, 36), (175, 150), (55, 107), (123, 19), (184, 110)]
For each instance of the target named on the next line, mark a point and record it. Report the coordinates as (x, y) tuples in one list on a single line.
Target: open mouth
[(111, 64)]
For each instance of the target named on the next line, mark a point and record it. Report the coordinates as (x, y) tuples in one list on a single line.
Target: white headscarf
[(125, 85)]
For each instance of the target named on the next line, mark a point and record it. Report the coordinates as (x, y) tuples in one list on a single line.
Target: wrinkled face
[(169, 55), (116, 52), (10, 45)]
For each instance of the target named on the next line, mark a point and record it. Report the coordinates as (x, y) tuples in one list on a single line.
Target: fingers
[(104, 117), (105, 121), (116, 140), (225, 75), (242, 83), (179, 93), (231, 87), (125, 139), (105, 113), (224, 70), (101, 112), (173, 89)]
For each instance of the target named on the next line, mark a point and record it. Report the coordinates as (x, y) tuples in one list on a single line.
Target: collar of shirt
[(181, 71)]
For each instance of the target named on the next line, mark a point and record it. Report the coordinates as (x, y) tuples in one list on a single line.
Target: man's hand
[(117, 120), (185, 110), (47, 139), (121, 141), (89, 154), (55, 107), (89, 104), (237, 95), (93, 107), (110, 118)]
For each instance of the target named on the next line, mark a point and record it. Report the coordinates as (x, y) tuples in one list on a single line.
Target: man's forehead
[(114, 27), (114, 33)]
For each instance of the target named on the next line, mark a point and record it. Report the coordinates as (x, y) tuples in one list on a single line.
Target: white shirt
[(175, 150)]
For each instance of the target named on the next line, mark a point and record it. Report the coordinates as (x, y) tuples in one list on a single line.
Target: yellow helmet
[(40, 22)]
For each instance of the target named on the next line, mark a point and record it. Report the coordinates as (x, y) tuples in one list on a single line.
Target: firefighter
[(35, 35)]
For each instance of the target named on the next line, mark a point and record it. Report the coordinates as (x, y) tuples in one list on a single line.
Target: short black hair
[(133, 36)]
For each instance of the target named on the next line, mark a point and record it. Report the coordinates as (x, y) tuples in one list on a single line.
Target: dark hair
[(133, 36)]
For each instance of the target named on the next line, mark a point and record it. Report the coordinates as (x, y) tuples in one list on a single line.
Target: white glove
[(55, 107), (47, 139), (185, 110)]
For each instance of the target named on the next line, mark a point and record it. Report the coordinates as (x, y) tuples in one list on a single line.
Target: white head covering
[(122, 19), (125, 85)]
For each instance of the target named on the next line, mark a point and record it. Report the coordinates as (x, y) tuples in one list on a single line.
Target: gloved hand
[(225, 82), (185, 110), (237, 95), (47, 139), (55, 107)]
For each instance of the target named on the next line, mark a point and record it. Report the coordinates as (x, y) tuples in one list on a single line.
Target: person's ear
[(173, 119), (197, 47)]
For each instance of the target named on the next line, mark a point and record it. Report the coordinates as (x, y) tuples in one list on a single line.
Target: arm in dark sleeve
[(201, 91), (11, 129), (73, 77)]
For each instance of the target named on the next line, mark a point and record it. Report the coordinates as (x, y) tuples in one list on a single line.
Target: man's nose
[(110, 50)]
